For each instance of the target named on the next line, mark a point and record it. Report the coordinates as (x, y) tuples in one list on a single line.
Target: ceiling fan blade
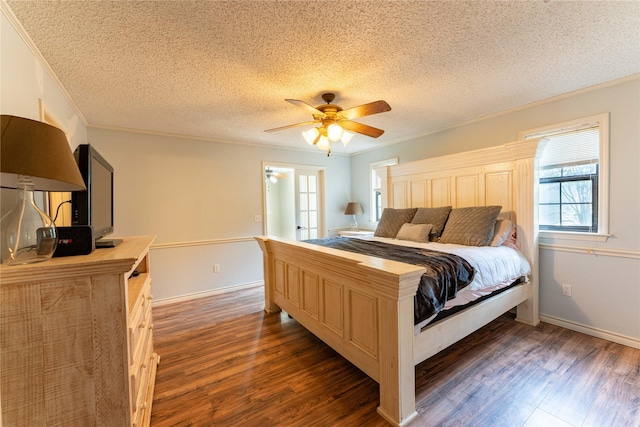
[(307, 107), (360, 128), (365, 110), (291, 126)]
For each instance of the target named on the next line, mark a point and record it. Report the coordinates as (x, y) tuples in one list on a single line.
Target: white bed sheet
[(495, 268)]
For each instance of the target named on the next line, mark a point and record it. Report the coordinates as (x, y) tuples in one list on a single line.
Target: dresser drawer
[(140, 322), (136, 329), (142, 411), (141, 378)]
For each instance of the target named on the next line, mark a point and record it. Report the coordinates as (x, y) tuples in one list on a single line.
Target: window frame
[(374, 193), (602, 205)]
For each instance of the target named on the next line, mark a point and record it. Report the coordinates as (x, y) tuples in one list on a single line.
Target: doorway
[(293, 201)]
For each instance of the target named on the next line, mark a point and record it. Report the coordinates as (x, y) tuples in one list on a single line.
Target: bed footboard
[(360, 306)]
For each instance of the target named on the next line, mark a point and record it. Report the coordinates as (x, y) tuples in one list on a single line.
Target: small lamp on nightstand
[(35, 156), (353, 208)]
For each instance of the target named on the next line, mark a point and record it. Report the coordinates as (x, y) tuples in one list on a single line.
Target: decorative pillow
[(415, 232), (512, 240), (392, 220), (501, 231), (470, 226), (435, 216)]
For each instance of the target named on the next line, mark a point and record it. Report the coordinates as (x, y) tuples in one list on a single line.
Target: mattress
[(495, 268)]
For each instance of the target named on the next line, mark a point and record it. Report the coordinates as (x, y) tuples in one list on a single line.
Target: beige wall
[(200, 198)]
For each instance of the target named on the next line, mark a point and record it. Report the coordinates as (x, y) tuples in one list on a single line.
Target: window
[(569, 198), (375, 187), (572, 176)]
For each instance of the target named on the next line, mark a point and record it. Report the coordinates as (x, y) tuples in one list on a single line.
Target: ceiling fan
[(273, 176), (335, 123)]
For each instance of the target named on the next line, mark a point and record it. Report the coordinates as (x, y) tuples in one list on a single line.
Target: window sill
[(572, 235)]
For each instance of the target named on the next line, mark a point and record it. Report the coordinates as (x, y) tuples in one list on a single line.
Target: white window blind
[(581, 146)]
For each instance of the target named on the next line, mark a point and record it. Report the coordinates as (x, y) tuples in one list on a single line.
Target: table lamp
[(33, 156), (353, 208)]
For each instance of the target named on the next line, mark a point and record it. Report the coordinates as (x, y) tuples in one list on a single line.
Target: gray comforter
[(445, 275)]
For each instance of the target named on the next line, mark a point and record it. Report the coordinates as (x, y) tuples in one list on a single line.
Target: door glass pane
[(313, 219), (304, 220), (313, 233), (304, 204), (312, 184), (304, 234), (303, 183), (313, 202)]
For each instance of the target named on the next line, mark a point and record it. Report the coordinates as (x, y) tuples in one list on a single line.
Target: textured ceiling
[(221, 70)]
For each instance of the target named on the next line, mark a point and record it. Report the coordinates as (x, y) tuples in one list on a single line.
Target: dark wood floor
[(224, 362)]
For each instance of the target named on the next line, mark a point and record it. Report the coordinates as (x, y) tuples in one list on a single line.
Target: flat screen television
[(94, 206)]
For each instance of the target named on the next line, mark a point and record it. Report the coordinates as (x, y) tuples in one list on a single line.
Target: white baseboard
[(195, 295), (594, 332)]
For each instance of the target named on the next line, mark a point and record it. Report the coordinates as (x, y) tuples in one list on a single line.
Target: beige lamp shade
[(41, 151), (353, 208)]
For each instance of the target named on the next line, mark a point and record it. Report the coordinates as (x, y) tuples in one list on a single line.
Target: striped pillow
[(435, 216), (470, 226)]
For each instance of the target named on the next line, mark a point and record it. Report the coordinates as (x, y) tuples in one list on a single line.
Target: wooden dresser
[(76, 343)]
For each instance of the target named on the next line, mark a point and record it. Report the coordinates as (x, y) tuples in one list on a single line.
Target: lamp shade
[(41, 151), (353, 208)]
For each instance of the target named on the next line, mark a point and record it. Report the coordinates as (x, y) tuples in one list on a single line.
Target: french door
[(307, 194)]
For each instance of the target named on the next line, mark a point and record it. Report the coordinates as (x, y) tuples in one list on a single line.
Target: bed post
[(269, 305), (526, 195), (395, 350)]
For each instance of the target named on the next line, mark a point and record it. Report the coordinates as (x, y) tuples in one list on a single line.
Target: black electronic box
[(74, 240)]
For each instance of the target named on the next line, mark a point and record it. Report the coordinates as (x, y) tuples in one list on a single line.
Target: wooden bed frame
[(362, 306)]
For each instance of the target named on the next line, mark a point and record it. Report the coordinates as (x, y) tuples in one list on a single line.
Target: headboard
[(504, 175)]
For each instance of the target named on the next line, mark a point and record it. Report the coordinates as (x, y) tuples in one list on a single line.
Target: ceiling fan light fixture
[(346, 137), (324, 144), (334, 132), (310, 135)]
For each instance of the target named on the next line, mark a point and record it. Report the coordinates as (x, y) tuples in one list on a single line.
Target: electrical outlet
[(566, 290), (216, 268), (257, 218)]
